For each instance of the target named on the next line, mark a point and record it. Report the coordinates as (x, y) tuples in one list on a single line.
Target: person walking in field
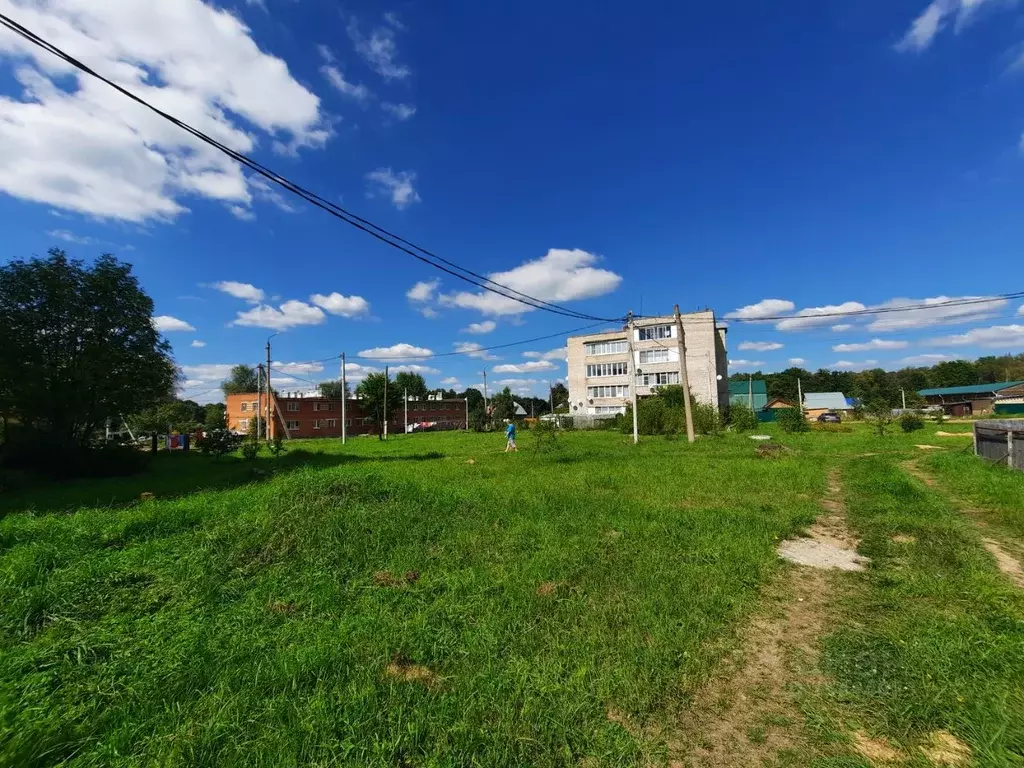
[(510, 436)]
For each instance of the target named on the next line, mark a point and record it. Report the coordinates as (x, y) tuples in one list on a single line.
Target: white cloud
[(472, 349), (357, 372), (345, 306), (938, 312), (1020, 310), (759, 346), (450, 381), (168, 324), (746, 363), (485, 327), (926, 27), (264, 190), (337, 80), (397, 352), (561, 275), (994, 337), (531, 367), (868, 345), (392, 18), (197, 344), (551, 354), (813, 317), (243, 291), (242, 213), (70, 237), (850, 365), (514, 383), (303, 369), (420, 369), (797, 361), (429, 312), (291, 314), (925, 359), (396, 186), (423, 290), (74, 143), (208, 372), (400, 112), (841, 327), (378, 50), (763, 308)]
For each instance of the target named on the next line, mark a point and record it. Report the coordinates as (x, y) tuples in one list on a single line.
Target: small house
[(1009, 401), (817, 403), (967, 400)]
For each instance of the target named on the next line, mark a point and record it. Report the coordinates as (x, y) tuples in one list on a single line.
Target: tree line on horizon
[(877, 384)]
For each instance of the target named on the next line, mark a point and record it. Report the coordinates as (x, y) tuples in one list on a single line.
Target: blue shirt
[(510, 431)]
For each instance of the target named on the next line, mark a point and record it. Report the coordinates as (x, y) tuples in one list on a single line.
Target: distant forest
[(878, 384)]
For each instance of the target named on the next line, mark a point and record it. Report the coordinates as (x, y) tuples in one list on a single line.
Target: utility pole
[(903, 394), (551, 398), (799, 398), (487, 416), (269, 391), (633, 373), (344, 399), (750, 390), (467, 413), (259, 392), (385, 403), (685, 377), (405, 426)]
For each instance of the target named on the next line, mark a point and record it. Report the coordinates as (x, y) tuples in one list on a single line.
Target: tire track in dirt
[(747, 714), (1009, 565)]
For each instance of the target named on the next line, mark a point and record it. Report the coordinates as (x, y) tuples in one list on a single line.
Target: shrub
[(881, 416), (792, 420), (911, 422), (706, 419), (251, 449), (940, 417), (217, 442), (742, 418), (545, 435), (277, 445)]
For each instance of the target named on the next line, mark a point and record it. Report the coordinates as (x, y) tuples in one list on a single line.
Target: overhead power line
[(376, 231)]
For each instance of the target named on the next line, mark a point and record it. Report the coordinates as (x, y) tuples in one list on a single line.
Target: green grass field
[(433, 601)]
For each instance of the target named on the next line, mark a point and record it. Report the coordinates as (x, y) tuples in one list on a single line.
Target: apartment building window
[(323, 406), (316, 423), (243, 424), (653, 356), (658, 379), (255, 405), (292, 405), (652, 332), (604, 409), (244, 408), (348, 422), (294, 424), (606, 347), (616, 390), (331, 423), (607, 369)]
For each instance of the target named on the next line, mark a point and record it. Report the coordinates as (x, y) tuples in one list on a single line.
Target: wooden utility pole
[(405, 425), (385, 403), (268, 386), (686, 379), (487, 416), (800, 398), (344, 399), (750, 390), (259, 392), (467, 414), (903, 394), (632, 378)]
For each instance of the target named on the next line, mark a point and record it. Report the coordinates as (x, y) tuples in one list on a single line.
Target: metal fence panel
[(1000, 441)]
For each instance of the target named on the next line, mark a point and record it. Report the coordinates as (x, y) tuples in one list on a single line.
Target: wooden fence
[(1000, 441)]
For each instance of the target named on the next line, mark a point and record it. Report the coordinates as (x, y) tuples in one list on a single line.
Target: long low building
[(966, 400), (316, 416), (600, 368)]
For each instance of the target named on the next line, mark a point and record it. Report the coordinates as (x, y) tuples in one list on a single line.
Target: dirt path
[(1000, 551), (748, 714)]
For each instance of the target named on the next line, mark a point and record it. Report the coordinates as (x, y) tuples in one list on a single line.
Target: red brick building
[(312, 416)]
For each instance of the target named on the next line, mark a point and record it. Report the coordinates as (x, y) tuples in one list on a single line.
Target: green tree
[(169, 416), (560, 396), (215, 416), (333, 389), (77, 348), (412, 383), (371, 392), (954, 373), (475, 398), (502, 406), (243, 379)]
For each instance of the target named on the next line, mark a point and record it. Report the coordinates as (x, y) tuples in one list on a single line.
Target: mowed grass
[(933, 638), (391, 604), (993, 487)]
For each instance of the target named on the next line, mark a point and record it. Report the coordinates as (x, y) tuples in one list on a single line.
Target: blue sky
[(757, 159)]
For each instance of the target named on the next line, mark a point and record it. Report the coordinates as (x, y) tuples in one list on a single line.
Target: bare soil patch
[(1007, 563), (548, 588), (747, 714), (387, 579), (954, 434), (946, 749), (929, 447), (402, 668), (876, 750), (903, 538), (829, 544)]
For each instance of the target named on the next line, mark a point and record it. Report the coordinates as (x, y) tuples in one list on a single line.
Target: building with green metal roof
[(966, 400), (750, 392)]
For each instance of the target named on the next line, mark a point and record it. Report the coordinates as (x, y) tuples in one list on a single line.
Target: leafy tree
[(173, 416), (217, 442), (243, 379), (792, 420), (503, 406), (215, 416), (742, 418), (333, 389), (475, 398), (560, 396), (954, 373), (77, 348), (371, 391), (412, 383), (881, 415)]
